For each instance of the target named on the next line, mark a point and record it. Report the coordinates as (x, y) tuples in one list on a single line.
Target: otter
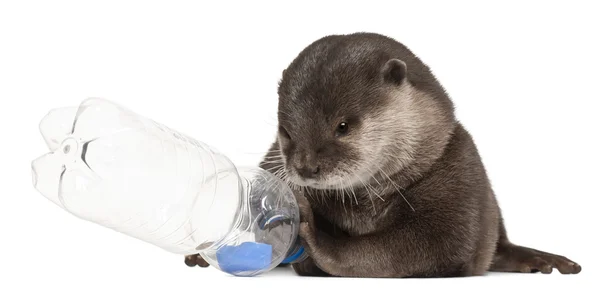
[(388, 181)]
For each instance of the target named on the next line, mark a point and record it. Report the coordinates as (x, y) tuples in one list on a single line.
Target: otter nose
[(308, 172)]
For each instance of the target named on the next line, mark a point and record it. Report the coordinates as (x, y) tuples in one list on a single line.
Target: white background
[(524, 78)]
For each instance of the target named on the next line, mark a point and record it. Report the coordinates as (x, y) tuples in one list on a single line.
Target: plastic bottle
[(113, 167)]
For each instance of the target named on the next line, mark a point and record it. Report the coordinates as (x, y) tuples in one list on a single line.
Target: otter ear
[(394, 71), (281, 78)]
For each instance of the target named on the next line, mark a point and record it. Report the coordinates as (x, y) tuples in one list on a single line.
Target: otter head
[(348, 111)]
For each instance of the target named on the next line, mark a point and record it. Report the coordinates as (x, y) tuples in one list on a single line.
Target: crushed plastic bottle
[(118, 169)]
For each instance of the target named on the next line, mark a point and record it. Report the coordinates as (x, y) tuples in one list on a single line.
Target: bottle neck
[(251, 206), (296, 254)]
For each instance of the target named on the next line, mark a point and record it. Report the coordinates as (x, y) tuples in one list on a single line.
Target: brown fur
[(403, 192)]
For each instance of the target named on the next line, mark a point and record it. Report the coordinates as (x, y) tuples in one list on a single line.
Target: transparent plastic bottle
[(113, 167)]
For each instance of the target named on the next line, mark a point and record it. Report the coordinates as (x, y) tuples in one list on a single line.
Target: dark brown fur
[(426, 207)]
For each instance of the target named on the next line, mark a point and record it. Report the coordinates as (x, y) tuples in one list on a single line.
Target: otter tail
[(513, 258)]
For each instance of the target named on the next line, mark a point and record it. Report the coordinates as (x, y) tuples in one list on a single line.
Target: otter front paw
[(306, 213), (319, 247), (195, 260), (307, 233), (307, 229), (309, 268)]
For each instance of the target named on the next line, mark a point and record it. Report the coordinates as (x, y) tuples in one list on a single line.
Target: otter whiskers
[(397, 187)]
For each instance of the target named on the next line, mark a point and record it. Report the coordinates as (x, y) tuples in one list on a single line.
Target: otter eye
[(342, 128), (284, 132)]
